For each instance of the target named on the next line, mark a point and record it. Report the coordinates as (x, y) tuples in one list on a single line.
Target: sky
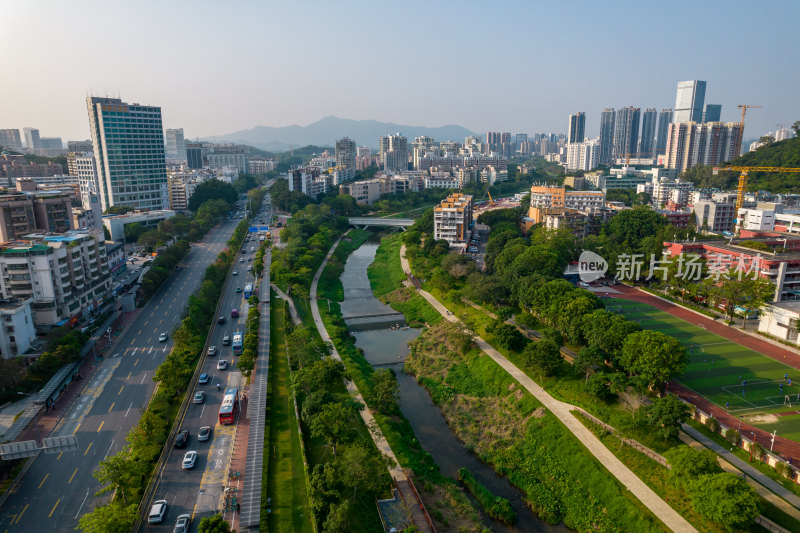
[(520, 66)]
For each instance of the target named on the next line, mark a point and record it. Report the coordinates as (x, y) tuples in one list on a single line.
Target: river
[(385, 343)]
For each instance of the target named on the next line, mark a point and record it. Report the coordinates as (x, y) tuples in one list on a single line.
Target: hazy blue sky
[(219, 66)]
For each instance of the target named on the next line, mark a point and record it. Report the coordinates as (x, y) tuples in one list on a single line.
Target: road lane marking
[(101, 426), (59, 456), (120, 389), (109, 450), (142, 382), (148, 320), (54, 508), (151, 349), (136, 362), (129, 375), (22, 513), (72, 476), (81, 507), (47, 475), (140, 332), (109, 410)]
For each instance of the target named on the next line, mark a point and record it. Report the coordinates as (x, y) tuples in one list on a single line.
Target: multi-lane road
[(198, 491), (58, 489)]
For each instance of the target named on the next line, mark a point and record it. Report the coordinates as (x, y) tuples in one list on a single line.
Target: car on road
[(203, 379), (212, 350), (235, 272), (250, 268), (222, 364), (157, 512), (199, 397), (241, 259), (226, 340), (182, 524), (162, 337), (189, 460), (221, 320), (204, 433), (234, 313), (238, 289), (182, 439)]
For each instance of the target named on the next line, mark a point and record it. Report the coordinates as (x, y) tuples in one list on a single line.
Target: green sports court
[(746, 383)]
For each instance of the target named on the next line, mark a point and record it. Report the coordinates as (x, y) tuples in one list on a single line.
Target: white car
[(189, 460), (183, 523), (199, 397), (235, 272), (222, 364), (162, 337), (157, 512), (204, 433)]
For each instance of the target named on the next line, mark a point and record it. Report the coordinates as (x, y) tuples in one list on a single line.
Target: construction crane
[(744, 108), (742, 187), (491, 201)]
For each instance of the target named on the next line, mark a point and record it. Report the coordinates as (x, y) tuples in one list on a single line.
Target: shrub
[(732, 436), (712, 424), (496, 507)]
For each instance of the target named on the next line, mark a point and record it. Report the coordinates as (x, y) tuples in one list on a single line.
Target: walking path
[(562, 410), (785, 447), (771, 489), (419, 514)]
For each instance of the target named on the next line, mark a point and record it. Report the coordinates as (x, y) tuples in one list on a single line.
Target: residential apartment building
[(261, 166), (421, 146), (491, 175), (181, 188), (466, 175), (300, 179), (662, 191), (441, 180), (128, 142), (28, 210), (712, 113), (691, 143), (394, 152), (576, 128), (223, 156), (85, 168), (543, 196), (607, 119), (194, 156), (664, 120), (452, 219), (626, 131), (715, 216), (17, 329), (367, 191), (648, 139), (66, 276), (175, 144), (16, 166), (346, 157), (583, 155), (10, 139)]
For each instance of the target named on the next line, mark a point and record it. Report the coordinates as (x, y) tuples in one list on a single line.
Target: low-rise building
[(29, 210), (66, 276), (452, 219), (545, 196), (367, 191), (150, 219), (714, 216), (780, 320), (441, 180), (17, 329), (261, 166)]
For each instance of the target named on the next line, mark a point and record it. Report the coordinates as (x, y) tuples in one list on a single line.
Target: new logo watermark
[(591, 267)]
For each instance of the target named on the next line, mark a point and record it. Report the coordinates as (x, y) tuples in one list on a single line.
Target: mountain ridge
[(325, 131)]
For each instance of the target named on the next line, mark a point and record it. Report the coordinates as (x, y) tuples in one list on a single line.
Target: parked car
[(162, 337), (199, 397), (182, 438), (222, 364), (182, 524), (204, 433), (226, 340), (157, 512), (189, 460)]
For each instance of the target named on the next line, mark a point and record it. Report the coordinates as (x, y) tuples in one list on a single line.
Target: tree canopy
[(211, 190), (653, 356)]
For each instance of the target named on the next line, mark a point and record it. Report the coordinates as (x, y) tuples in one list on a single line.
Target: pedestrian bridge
[(366, 222)]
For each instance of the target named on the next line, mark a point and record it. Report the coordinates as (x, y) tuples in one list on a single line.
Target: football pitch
[(757, 388)]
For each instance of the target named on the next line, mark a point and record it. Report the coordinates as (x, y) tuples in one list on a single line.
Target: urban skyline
[(139, 70)]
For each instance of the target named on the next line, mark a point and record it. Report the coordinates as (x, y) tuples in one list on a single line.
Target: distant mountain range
[(324, 132)]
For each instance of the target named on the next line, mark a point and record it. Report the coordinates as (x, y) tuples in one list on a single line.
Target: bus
[(237, 343), (229, 407), (248, 291)]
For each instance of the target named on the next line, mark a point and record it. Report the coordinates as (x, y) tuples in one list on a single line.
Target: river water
[(384, 340)]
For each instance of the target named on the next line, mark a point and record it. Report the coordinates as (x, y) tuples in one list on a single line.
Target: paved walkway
[(770, 489), (562, 410), (785, 447), (292, 309)]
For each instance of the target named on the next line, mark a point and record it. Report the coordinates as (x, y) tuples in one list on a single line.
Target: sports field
[(763, 391)]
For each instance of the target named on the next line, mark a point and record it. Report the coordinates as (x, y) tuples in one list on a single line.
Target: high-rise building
[(689, 101), (394, 152), (583, 155), (31, 138), (10, 139), (664, 119), (576, 128), (497, 141), (176, 144), (86, 171), (712, 113), (647, 142), (194, 156), (128, 144), (607, 136), (346, 157), (626, 132), (78, 147), (690, 144), (421, 146)]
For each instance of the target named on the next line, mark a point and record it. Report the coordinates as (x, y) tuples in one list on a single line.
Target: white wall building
[(116, 223), (583, 155), (17, 329)]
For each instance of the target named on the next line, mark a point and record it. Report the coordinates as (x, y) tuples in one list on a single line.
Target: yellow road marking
[(135, 363), (101, 424), (88, 448), (22, 513), (59, 456), (54, 508), (109, 410), (47, 475), (120, 389), (72, 476), (129, 375)]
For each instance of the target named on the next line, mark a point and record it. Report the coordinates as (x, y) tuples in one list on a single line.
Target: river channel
[(384, 337)]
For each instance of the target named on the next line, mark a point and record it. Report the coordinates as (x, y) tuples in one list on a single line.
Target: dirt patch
[(480, 421), (400, 295), (760, 418), (539, 412)]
